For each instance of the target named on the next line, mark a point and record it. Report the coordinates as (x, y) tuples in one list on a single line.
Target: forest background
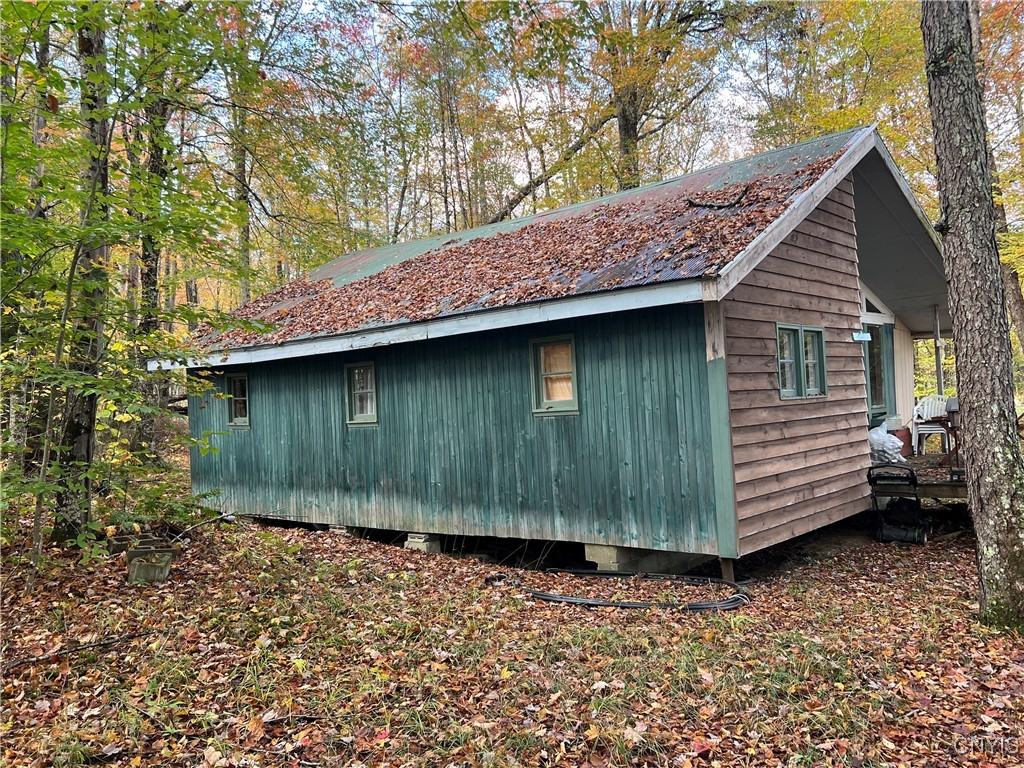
[(164, 162)]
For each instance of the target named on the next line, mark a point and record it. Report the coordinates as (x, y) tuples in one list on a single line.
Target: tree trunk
[(991, 447), (156, 177), (240, 160), (192, 300), (75, 497), (627, 117), (592, 129), (1010, 278), (25, 418)]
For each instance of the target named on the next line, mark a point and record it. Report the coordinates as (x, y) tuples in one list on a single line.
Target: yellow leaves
[(505, 674)]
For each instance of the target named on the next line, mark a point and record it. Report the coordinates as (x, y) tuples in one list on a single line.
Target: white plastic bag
[(884, 447)]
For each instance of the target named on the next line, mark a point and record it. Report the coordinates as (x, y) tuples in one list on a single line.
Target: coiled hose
[(732, 602)]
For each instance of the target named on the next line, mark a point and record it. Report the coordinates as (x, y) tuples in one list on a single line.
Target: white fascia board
[(622, 300), (779, 230)]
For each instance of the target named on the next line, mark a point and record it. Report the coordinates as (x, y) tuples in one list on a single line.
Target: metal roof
[(686, 228)]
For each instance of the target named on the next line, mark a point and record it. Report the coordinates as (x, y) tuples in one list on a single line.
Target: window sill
[(362, 423), (556, 411)]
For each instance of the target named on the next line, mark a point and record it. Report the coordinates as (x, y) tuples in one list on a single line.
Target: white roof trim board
[(679, 292)]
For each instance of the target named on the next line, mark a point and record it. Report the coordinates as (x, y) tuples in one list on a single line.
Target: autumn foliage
[(291, 648)]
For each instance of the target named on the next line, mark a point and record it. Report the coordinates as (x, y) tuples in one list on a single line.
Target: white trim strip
[(884, 311), (779, 230), (678, 292)]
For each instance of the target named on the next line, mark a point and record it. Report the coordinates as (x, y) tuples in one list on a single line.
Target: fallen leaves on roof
[(671, 232)]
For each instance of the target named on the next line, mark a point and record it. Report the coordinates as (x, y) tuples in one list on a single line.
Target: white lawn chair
[(927, 408)]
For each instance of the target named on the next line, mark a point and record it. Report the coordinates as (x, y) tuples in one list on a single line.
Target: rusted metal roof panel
[(685, 228)]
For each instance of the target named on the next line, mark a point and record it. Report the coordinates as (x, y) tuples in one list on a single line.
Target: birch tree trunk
[(991, 447)]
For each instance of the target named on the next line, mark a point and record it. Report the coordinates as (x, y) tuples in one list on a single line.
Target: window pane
[(365, 404), (812, 363), (558, 387), (556, 358), (240, 408), (810, 346), (787, 345), (238, 387), (787, 375), (362, 379), (813, 385), (876, 381)]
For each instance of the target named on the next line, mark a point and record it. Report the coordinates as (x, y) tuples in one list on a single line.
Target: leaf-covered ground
[(272, 647)]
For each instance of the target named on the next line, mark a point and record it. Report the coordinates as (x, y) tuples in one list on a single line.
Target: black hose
[(734, 601)]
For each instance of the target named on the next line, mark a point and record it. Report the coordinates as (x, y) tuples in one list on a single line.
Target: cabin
[(685, 369)]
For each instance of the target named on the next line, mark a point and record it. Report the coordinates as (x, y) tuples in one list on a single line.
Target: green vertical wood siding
[(457, 448)]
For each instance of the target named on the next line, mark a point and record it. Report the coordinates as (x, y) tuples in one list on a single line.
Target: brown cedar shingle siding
[(800, 464)]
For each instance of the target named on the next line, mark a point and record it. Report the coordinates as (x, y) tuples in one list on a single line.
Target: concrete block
[(122, 542), (152, 569), (424, 542), (632, 560), (171, 550)]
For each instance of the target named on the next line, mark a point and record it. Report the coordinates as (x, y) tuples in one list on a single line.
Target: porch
[(926, 476)]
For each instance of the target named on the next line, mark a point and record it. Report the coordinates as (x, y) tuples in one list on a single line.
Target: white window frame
[(238, 422), (361, 419)]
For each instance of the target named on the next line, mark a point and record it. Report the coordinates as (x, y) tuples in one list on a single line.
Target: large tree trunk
[(1010, 278), (242, 200), (991, 447), (74, 499), (239, 156), (150, 246), (628, 116)]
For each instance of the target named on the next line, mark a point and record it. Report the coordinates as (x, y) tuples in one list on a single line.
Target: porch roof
[(898, 250)]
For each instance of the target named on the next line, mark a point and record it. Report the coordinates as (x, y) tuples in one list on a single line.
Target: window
[(879, 376), (237, 385), (361, 393), (554, 374), (801, 361)]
